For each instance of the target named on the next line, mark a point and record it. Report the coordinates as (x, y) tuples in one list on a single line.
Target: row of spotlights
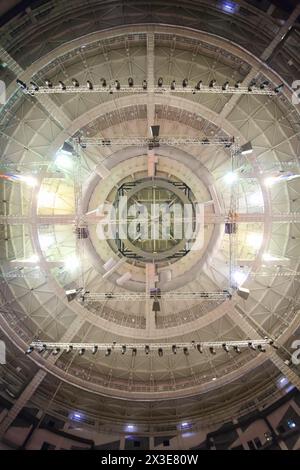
[(212, 84)]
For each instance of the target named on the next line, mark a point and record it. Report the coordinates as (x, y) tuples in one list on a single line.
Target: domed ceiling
[(42, 257)]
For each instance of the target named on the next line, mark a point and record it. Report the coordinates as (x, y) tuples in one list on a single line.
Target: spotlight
[(48, 83), (173, 84), (199, 85), (71, 294), (130, 81), (144, 84), (69, 349), (279, 88), (75, 82), (108, 352), (34, 86), (147, 349), (264, 84), (94, 349), (21, 84), (117, 85), (160, 352), (81, 352), (212, 83), (212, 350), (261, 348), (62, 85), (186, 351), (160, 82), (55, 351), (252, 346), (271, 343), (246, 148), (243, 293), (134, 351), (185, 83), (103, 82), (200, 348), (89, 84), (225, 347), (225, 86), (251, 86), (237, 349), (43, 348), (174, 349), (237, 84), (29, 350), (123, 349)]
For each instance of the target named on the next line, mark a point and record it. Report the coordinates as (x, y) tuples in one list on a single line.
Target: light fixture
[(251, 86), (156, 306), (199, 85), (270, 180), (21, 84), (255, 199), (160, 352), (55, 351), (236, 349), (174, 349), (71, 263), (71, 294), (254, 240), (243, 292), (246, 148), (252, 346), (225, 86), (279, 88), (272, 343), (134, 351), (173, 85), (48, 83), (237, 84), (184, 82), (43, 348), (108, 352), (81, 352), (103, 82), (69, 349), (186, 351), (212, 83), (75, 82), (212, 350), (225, 347), (200, 348), (34, 86), (130, 81), (89, 84), (160, 82), (29, 350), (239, 277), (62, 85), (117, 85), (94, 349), (63, 160), (261, 348), (264, 84), (230, 177), (123, 349), (29, 180), (147, 349), (144, 84)]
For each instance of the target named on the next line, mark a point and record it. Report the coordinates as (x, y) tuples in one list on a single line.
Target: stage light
[(270, 181), (147, 349), (29, 180), (264, 84), (186, 351), (56, 351), (69, 349), (254, 240), (225, 347), (130, 81), (71, 263), (71, 294), (123, 349), (252, 346), (246, 148), (64, 160), (160, 352), (94, 349), (29, 350), (48, 83), (243, 293), (134, 351), (173, 85), (237, 84), (144, 84), (212, 350), (108, 352), (225, 86), (81, 352), (261, 348), (237, 349), (239, 277), (251, 86), (89, 84), (117, 85), (230, 177), (200, 348), (160, 82), (199, 85), (21, 84), (62, 85), (272, 343), (75, 82), (185, 82), (279, 88), (34, 86), (212, 83), (174, 349)]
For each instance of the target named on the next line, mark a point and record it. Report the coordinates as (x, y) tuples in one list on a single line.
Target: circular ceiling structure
[(54, 192)]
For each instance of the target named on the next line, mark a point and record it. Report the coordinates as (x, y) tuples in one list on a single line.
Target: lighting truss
[(204, 89), (145, 141), (140, 296)]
